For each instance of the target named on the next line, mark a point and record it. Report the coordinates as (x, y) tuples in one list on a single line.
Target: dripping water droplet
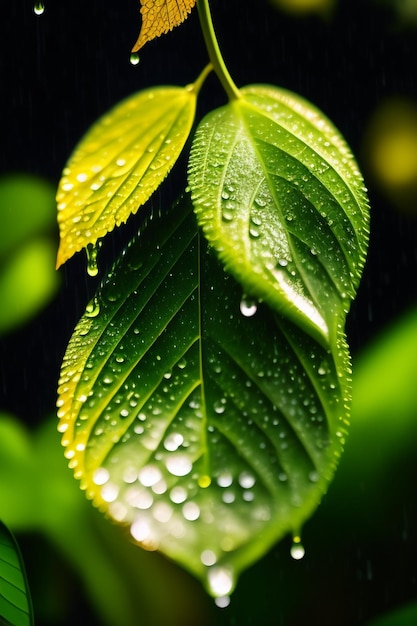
[(93, 308), (220, 582), (297, 550), (92, 250), (248, 307), (134, 58), (39, 8)]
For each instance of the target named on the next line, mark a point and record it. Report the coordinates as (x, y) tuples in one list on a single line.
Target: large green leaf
[(280, 197), (15, 603), (206, 423), (120, 162)]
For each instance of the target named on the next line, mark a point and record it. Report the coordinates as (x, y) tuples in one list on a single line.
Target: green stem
[(213, 50)]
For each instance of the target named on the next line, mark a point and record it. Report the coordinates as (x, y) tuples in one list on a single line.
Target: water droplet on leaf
[(93, 308), (134, 58)]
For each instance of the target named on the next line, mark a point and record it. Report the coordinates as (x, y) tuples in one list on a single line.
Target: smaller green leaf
[(120, 162), (280, 198), (15, 603)]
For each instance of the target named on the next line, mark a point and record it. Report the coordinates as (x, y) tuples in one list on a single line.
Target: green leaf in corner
[(15, 603), (120, 162), (280, 198), (207, 424)]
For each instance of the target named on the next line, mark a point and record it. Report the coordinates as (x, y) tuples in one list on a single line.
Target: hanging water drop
[(134, 58), (220, 582), (39, 8), (92, 250), (297, 550), (93, 308), (248, 307)]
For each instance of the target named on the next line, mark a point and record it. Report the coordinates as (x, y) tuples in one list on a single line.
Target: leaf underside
[(120, 162), (15, 605), (208, 424), (159, 17)]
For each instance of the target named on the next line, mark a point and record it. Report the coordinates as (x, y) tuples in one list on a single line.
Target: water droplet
[(134, 58), (225, 479), (220, 581), (204, 481), (246, 480), (297, 550), (93, 307), (248, 307), (101, 476), (39, 8), (173, 441), (208, 558), (191, 511), (149, 475), (109, 492), (178, 495), (227, 216), (140, 529), (178, 465), (92, 250)]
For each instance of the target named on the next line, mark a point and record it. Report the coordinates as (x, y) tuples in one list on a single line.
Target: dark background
[(62, 70)]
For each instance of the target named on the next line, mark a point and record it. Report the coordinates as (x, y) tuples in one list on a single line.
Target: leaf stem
[(213, 50)]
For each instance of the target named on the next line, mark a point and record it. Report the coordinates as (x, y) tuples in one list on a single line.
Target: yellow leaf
[(120, 162), (159, 17)]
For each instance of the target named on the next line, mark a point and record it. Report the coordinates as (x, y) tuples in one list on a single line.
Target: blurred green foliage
[(28, 280)]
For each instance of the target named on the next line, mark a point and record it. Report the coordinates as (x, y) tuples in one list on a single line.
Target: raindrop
[(208, 558), (149, 475), (297, 550), (228, 497), (101, 476), (173, 441), (178, 495), (246, 480), (204, 481), (92, 252), (179, 465), (109, 492), (93, 307), (134, 58), (39, 8), (220, 581), (225, 479), (191, 511), (222, 602), (219, 406), (140, 529), (248, 307)]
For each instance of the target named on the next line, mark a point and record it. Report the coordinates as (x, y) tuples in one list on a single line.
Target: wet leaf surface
[(205, 422)]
